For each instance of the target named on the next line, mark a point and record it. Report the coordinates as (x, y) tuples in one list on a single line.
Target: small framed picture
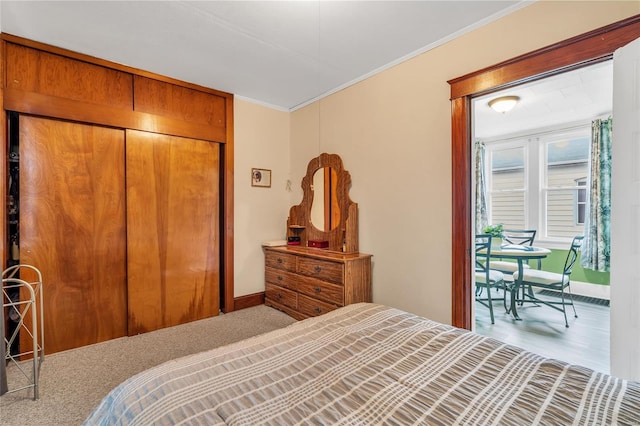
[(261, 177)]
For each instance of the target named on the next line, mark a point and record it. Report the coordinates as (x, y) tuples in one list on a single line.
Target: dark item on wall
[(261, 177)]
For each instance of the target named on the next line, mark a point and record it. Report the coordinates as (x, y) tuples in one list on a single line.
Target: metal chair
[(523, 237), (487, 278), (558, 282)]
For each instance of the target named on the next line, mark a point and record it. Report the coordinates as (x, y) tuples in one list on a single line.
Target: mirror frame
[(344, 237)]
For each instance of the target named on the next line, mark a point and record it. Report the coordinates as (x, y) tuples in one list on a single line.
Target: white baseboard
[(591, 290)]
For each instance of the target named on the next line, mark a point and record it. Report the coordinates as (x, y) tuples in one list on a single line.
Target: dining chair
[(487, 278), (523, 237), (557, 282)]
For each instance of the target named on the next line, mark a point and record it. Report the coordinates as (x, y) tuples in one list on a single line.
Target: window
[(566, 160), (581, 201), (539, 182)]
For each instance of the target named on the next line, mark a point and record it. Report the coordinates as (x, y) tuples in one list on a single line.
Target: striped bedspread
[(368, 364)]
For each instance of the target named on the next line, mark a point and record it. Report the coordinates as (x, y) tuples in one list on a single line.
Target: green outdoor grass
[(555, 262)]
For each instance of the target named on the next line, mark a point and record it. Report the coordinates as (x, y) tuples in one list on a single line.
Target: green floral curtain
[(597, 239), (481, 188)]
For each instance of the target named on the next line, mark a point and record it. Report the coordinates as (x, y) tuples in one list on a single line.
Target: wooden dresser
[(305, 282)]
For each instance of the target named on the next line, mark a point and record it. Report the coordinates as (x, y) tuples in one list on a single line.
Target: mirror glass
[(325, 210)]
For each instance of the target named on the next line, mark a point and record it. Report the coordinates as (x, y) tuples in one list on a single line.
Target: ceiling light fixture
[(504, 103)]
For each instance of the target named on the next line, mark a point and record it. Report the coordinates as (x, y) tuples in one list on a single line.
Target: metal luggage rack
[(27, 309)]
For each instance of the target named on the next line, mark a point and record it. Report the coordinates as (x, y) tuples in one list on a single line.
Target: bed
[(369, 364)]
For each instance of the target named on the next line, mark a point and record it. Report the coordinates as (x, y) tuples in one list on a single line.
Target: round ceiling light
[(504, 103)]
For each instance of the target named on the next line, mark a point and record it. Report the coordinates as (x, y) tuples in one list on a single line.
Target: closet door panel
[(172, 230), (72, 228)]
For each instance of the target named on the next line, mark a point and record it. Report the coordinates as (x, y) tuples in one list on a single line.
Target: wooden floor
[(542, 330)]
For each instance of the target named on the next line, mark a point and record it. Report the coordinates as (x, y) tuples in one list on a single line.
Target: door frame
[(586, 49)]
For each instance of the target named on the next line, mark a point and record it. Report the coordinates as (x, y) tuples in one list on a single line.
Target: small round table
[(519, 254)]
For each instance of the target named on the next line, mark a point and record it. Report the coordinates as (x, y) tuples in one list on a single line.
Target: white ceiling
[(283, 54), (286, 54), (570, 98)]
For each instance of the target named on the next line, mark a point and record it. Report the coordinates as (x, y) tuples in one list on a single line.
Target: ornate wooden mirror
[(326, 212)]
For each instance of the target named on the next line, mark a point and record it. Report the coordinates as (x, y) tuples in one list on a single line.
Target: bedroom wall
[(393, 133), (261, 140)]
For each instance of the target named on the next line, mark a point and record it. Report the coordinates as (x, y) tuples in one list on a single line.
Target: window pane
[(582, 195), (581, 213), (581, 203), (561, 216), (507, 187), (507, 168), (566, 161), (508, 208)]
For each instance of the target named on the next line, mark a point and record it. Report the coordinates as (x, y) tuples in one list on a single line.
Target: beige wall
[(393, 134), (261, 140)]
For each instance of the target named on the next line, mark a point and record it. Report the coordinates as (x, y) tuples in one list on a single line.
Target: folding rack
[(28, 304)]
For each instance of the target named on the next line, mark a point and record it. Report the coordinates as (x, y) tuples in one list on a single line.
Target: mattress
[(369, 364)]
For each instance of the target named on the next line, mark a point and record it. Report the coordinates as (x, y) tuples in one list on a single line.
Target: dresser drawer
[(305, 282), (281, 278), (283, 261), (293, 313), (317, 289), (313, 307), (282, 295), (323, 270)]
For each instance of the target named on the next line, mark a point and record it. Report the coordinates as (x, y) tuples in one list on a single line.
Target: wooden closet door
[(172, 230), (72, 228)]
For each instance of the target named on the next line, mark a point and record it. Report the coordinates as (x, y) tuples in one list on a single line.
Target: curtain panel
[(482, 219), (597, 242)]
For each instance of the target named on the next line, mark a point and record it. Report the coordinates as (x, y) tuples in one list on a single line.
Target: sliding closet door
[(72, 228), (172, 230)]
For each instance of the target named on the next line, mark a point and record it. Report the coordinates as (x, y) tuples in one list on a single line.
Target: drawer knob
[(279, 295), (317, 289), (279, 277), (279, 260), (317, 269), (318, 309)]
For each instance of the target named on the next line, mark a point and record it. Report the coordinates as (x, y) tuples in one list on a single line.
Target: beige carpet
[(73, 382)]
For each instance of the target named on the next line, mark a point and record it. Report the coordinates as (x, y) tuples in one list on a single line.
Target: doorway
[(590, 48), (536, 163)]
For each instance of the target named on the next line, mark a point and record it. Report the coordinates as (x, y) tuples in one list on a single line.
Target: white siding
[(507, 200)]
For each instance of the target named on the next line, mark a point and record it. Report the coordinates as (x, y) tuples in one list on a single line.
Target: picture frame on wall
[(261, 177)]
